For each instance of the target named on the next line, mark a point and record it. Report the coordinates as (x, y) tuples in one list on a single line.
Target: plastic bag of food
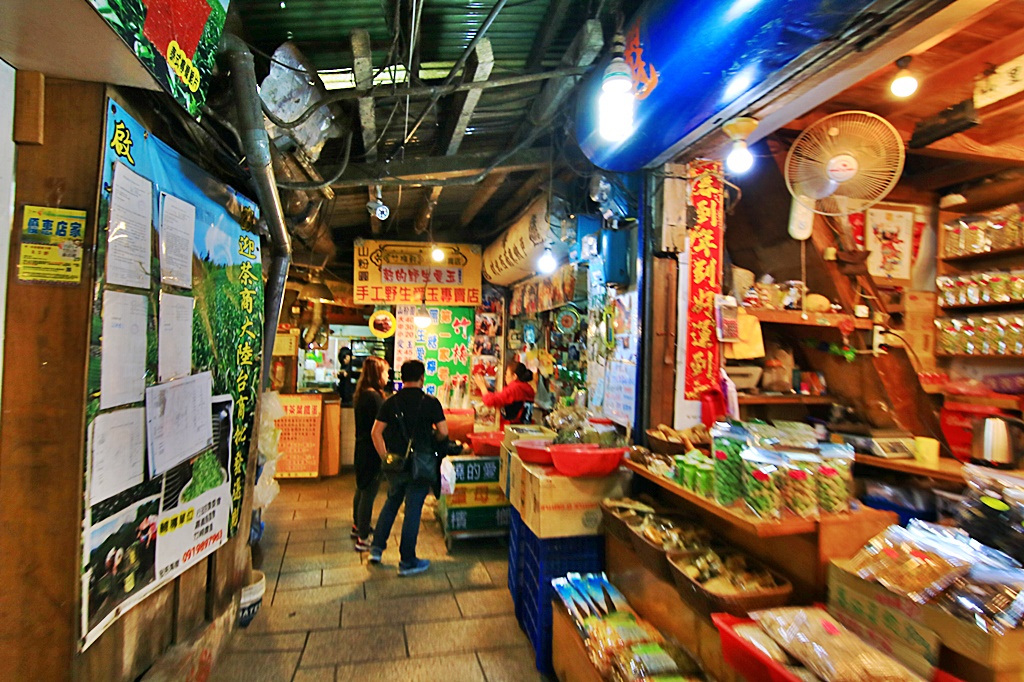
[(651, 662), (796, 434), (763, 482), (761, 641), (267, 487), (606, 635), (905, 566), (828, 649), (834, 481), (727, 443), (269, 434), (801, 488), (990, 598), (761, 434)]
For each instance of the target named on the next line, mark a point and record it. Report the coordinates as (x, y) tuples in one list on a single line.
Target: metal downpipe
[(257, 151)]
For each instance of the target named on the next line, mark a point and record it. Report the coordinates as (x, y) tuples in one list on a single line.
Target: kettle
[(994, 443)]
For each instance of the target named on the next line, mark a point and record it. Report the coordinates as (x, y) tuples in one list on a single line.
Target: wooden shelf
[(1000, 400), (984, 306), (735, 518), (795, 317), (987, 255), (949, 469), (786, 399), (980, 356)]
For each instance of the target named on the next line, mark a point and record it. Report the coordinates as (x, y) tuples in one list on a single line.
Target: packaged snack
[(835, 478), (652, 662), (606, 635), (994, 604), (801, 484), (796, 435), (763, 482), (704, 479), (727, 442), (753, 633), (828, 649)]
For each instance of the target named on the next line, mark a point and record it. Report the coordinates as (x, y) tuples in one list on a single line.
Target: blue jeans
[(413, 493)]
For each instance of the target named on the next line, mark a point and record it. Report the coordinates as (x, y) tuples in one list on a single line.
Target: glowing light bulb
[(437, 254), (615, 105), (547, 264), (421, 318), (904, 84), (740, 160)]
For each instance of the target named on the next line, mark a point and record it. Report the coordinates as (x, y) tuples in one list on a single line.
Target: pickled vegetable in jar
[(952, 239), (1016, 286), (999, 287)]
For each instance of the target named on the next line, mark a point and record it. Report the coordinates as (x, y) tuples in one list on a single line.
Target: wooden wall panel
[(663, 344), (190, 601), (44, 384)]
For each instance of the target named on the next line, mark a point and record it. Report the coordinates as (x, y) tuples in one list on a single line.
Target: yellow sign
[(383, 324), (300, 436), (396, 273), (286, 344), (51, 245)]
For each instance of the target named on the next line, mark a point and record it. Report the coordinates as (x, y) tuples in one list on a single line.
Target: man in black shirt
[(409, 414)]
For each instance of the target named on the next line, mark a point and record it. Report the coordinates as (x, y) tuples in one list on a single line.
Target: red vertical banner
[(703, 355)]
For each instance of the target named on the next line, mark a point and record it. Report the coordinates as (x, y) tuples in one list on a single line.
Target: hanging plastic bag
[(269, 434), (447, 477), (266, 488)]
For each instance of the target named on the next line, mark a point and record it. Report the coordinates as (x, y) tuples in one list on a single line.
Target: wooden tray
[(615, 525), (655, 555), (662, 446)]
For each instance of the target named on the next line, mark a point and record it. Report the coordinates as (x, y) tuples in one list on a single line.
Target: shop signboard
[(176, 40), (403, 273), (705, 280), (51, 245), (444, 347), (300, 436), (547, 292), (511, 257), (176, 337)]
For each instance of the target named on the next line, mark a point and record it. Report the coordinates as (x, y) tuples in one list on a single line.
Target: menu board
[(300, 436), (444, 347)]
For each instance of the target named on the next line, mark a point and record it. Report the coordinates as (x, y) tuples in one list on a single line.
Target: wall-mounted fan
[(844, 163)]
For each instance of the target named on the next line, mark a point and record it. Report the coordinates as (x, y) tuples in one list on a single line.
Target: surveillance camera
[(376, 207)]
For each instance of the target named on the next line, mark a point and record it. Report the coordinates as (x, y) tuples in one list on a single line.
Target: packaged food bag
[(801, 489), (835, 478), (727, 443), (763, 482)]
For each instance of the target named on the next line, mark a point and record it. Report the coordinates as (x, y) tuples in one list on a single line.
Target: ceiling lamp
[(615, 105), (421, 318), (904, 84), (547, 264), (316, 290), (739, 160), (436, 254)]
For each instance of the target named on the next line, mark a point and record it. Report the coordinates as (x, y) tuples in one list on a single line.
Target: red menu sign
[(702, 349)]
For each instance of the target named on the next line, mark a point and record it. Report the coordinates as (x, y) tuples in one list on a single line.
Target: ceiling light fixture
[(615, 104), (422, 318), (547, 264), (315, 290), (904, 84), (739, 160)]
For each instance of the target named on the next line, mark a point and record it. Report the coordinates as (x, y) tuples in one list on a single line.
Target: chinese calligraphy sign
[(702, 348)]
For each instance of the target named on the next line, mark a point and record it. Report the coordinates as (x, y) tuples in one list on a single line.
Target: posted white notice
[(177, 230), (175, 340), (118, 447), (123, 358), (178, 421), (128, 234)]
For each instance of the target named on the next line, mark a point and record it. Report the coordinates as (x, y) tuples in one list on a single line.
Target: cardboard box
[(515, 482), (504, 469), (880, 638), (556, 506), (474, 518), (473, 469), (475, 495), (514, 432), (915, 624)]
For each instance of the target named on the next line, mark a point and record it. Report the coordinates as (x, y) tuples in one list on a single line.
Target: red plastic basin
[(487, 443), (585, 461), (533, 451)]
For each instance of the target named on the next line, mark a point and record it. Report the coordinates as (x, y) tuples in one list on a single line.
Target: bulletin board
[(444, 347), (175, 347)]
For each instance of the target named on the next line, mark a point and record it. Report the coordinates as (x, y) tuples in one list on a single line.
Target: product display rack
[(796, 317)]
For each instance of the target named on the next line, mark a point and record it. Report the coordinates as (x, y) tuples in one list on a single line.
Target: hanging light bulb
[(421, 318), (739, 160), (904, 84), (436, 254), (547, 264), (615, 105)]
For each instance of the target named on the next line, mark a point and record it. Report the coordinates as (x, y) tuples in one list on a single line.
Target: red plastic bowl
[(487, 443), (533, 451), (585, 461)]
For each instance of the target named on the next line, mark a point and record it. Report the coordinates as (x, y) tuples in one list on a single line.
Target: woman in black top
[(368, 397)]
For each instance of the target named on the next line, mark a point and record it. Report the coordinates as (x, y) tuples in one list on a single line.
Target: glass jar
[(952, 239), (999, 287)]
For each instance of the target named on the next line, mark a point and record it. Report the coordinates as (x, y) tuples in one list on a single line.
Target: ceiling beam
[(426, 212), (953, 173), (362, 67), (483, 194), (521, 196), (437, 168), (964, 148), (549, 27), (1000, 121)]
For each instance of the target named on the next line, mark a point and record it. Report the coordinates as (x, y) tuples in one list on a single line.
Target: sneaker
[(375, 555), (354, 534), (418, 566), (363, 545)]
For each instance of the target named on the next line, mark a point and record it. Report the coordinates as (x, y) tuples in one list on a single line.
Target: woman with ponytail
[(516, 399)]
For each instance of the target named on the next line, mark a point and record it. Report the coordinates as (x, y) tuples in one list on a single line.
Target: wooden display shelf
[(744, 522), (966, 307), (786, 400), (986, 255), (948, 469), (827, 320)]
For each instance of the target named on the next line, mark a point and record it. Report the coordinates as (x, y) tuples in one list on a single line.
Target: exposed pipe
[(257, 150)]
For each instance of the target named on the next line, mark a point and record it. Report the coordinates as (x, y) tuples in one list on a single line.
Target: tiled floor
[(329, 616)]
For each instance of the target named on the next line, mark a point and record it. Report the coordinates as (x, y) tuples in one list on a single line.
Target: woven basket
[(654, 555), (663, 447), (615, 525), (738, 605)]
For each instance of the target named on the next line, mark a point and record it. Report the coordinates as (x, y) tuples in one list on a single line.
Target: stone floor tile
[(470, 634), (256, 667), (354, 646), (319, 595), (243, 641), (321, 562), (310, 534), (314, 675), (498, 570), (291, 618), (425, 583), (300, 580), (477, 603), (397, 611), (464, 668), (320, 503), (297, 548), (470, 576), (354, 574), (516, 664)]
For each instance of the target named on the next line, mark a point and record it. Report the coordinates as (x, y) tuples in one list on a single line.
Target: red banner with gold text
[(702, 348)]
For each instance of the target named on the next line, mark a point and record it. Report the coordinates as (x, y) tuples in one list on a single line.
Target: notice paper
[(177, 230), (123, 359), (178, 423), (118, 448), (131, 220), (175, 340)]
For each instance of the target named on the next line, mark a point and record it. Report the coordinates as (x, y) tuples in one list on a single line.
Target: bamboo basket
[(707, 602), (662, 446), (615, 525), (654, 555)]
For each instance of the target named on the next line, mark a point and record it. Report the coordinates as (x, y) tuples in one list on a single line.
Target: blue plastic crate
[(538, 630), (906, 514)]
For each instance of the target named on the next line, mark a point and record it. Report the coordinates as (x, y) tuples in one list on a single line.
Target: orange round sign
[(383, 324)]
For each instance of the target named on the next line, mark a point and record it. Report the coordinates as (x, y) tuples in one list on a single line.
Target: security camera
[(376, 207)]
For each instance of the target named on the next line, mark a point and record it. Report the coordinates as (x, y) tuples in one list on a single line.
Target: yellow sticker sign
[(52, 242)]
